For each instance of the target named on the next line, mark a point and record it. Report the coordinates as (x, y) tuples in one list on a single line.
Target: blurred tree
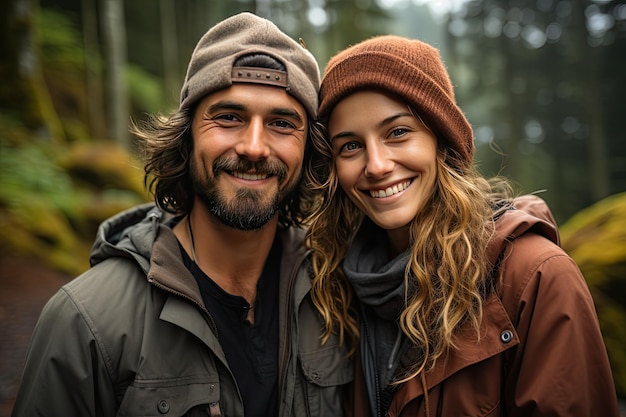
[(93, 81), (64, 66), (169, 39), (539, 81), (115, 59), (24, 99), (54, 190), (349, 22)]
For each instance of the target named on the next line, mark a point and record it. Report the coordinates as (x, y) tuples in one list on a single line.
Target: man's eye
[(284, 124), (228, 117)]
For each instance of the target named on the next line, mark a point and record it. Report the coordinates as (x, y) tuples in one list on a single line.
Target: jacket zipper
[(212, 325), (378, 411), (287, 346)]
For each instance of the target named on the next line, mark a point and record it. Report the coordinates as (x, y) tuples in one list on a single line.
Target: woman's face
[(385, 159)]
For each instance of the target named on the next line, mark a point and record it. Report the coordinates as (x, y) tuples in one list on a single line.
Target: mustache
[(264, 167)]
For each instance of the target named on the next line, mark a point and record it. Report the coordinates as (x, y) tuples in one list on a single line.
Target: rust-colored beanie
[(410, 69), (211, 64)]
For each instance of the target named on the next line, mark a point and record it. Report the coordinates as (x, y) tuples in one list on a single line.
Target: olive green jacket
[(131, 336)]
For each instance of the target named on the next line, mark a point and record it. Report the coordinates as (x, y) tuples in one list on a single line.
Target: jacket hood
[(526, 213), (129, 234)]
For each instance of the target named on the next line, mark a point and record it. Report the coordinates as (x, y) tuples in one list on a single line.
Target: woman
[(455, 297)]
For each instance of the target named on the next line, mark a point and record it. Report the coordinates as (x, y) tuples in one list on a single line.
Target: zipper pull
[(214, 410)]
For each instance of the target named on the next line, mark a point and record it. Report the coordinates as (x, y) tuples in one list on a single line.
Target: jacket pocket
[(326, 374), (169, 398)]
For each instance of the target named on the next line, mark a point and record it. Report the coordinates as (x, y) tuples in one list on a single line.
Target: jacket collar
[(497, 335), (526, 213)]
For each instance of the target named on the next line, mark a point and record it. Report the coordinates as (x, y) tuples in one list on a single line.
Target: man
[(200, 305)]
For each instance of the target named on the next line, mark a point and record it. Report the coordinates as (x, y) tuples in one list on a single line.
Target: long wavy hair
[(448, 266), (166, 143)]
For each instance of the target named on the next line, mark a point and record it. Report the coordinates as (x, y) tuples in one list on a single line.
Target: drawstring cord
[(425, 388)]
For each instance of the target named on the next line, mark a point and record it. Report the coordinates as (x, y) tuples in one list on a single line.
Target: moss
[(104, 166), (52, 210), (596, 239)]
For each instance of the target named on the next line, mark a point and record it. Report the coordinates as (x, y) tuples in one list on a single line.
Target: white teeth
[(251, 177), (389, 191)]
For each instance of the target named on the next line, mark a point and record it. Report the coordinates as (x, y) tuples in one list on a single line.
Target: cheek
[(347, 175), (294, 158), (431, 172)]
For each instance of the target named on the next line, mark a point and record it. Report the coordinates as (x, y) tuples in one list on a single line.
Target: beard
[(249, 209)]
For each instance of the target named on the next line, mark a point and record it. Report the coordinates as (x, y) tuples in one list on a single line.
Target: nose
[(379, 162), (253, 144)]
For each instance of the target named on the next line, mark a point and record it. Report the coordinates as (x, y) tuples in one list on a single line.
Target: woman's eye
[(396, 133), (350, 146)]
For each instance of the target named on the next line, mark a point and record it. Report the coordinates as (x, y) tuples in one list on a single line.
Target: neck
[(399, 240), (234, 259)]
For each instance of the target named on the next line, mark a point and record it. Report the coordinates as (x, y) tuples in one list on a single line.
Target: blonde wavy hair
[(448, 254)]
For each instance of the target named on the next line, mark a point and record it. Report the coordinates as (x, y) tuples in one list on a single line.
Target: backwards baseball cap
[(211, 67), (410, 69)]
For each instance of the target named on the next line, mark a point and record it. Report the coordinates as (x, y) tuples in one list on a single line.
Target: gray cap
[(211, 65)]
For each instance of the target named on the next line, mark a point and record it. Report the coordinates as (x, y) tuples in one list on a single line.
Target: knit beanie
[(211, 65), (410, 69)]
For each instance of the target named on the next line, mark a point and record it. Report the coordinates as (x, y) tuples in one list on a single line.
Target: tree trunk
[(169, 40), (93, 80), (24, 96), (599, 183), (114, 31)]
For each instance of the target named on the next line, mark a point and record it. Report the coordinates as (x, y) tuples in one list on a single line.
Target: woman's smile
[(385, 158), (390, 190)]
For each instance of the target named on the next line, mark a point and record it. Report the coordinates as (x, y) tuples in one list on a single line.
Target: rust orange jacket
[(541, 352)]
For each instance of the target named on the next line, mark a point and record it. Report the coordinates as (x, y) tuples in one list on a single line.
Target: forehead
[(365, 106), (370, 96), (257, 98)]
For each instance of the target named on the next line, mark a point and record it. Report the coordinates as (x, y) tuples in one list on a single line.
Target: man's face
[(249, 142)]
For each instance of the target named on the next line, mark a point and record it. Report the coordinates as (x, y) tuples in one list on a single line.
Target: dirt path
[(25, 286)]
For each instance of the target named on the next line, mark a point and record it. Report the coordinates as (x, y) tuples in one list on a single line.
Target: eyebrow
[(224, 105), (231, 105), (380, 124)]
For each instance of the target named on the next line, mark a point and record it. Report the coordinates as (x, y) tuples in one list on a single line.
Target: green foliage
[(36, 205), (54, 198), (60, 40), (146, 90), (596, 239), (64, 67), (103, 166), (30, 173)]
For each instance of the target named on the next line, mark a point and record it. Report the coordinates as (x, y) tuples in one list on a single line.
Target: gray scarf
[(377, 282), (380, 287)]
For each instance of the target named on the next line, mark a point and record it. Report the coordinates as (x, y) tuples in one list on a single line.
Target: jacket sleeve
[(65, 372), (561, 367)]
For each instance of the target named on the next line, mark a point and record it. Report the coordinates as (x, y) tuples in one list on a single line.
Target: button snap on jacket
[(163, 406), (506, 336)]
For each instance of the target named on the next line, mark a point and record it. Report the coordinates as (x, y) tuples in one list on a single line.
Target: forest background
[(541, 81)]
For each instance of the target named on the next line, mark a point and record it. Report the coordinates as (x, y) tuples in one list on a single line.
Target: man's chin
[(245, 213)]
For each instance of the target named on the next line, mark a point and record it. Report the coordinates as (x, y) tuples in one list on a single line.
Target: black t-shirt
[(251, 349)]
